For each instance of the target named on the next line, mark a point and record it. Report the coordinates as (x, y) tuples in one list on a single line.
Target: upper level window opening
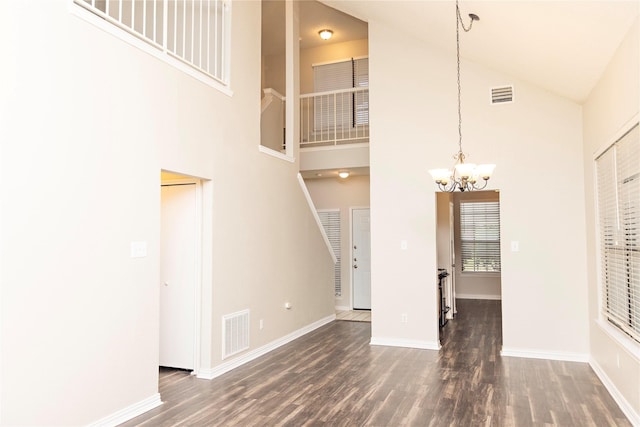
[(192, 32)]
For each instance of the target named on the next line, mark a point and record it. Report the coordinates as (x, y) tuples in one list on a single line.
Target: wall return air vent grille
[(501, 95), (235, 333)]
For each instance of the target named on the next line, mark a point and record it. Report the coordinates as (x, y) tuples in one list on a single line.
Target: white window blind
[(195, 32), (330, 220), (345, 109), (480, 236), (618, 177)]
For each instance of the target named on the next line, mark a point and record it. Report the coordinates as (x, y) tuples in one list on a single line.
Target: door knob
[(355, 266), (355, 259)]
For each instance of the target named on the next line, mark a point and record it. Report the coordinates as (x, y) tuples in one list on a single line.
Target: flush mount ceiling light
[(325, 34), (464, 176), (343, 174)]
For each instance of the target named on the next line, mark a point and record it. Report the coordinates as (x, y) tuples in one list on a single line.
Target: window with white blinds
[(618, 186), (194, 32), (480, 236), (330, 220), (347, 109)]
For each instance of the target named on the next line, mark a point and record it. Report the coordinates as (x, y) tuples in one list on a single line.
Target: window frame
[(461, 240), (631, 340)]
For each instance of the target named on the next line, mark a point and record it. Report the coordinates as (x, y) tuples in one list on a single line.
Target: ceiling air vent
[(501, 95)]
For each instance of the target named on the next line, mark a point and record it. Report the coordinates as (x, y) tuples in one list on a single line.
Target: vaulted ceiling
[(561, 46)]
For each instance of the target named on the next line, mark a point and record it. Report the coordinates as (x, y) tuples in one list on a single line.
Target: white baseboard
[(393, 342), (623, 403), (342, 308), (216, 371), (129, 412), (548, 355), (478, 296)]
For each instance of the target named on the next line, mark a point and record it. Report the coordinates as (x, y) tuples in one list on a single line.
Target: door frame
[(198, 266), (351, 281)]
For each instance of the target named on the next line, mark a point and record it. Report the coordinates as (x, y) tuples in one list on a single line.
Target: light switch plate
[(515, 246), (138, 249)]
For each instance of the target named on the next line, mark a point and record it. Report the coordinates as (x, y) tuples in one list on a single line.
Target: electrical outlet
[(404, 318), (261, 324)]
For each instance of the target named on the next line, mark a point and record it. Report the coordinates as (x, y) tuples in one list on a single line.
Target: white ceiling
[(314, 16), (561, 46)]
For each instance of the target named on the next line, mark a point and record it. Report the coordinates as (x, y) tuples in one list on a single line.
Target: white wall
[(87, 123), (609, 110), (343, 194), (534, 142)]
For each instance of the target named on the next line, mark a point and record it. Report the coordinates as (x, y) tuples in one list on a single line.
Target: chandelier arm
[(475, 187)]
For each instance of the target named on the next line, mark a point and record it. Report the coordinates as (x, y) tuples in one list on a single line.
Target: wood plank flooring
[(354, 315), (333, 377)]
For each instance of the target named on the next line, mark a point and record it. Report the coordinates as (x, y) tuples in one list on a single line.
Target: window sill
[(631, 346), (480, 274), (275, 153)]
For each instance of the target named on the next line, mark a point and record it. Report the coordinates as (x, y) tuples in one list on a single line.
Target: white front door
[(361, 259), (177, 275)]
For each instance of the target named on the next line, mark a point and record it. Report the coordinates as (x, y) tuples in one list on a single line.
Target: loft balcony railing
[(334, 117)]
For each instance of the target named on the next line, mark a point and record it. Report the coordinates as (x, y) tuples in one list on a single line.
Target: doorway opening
[(468, 251), (180, 272)]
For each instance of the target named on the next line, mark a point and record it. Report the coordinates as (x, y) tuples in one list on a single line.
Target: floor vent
[(501, 95), (235, 333)]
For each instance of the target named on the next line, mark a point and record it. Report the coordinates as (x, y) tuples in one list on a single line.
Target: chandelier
[(463, 176)]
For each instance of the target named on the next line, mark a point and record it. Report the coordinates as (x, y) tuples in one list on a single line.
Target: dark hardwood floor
[(333, 377)]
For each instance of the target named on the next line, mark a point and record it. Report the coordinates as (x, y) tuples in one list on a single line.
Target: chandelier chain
[(463, 176), (466, 30), (458, 21)]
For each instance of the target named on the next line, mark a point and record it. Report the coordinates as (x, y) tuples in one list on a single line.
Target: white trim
[(478, 296), (334, 147), (314, 212), (274, 153), (622, 339), (547, 355), (625, 406), (622, 131), (211, 373), (129, 412), (394, 342)]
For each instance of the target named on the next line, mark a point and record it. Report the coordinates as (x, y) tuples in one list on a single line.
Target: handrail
[(314, 212), (332, 92), (271, 91)]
